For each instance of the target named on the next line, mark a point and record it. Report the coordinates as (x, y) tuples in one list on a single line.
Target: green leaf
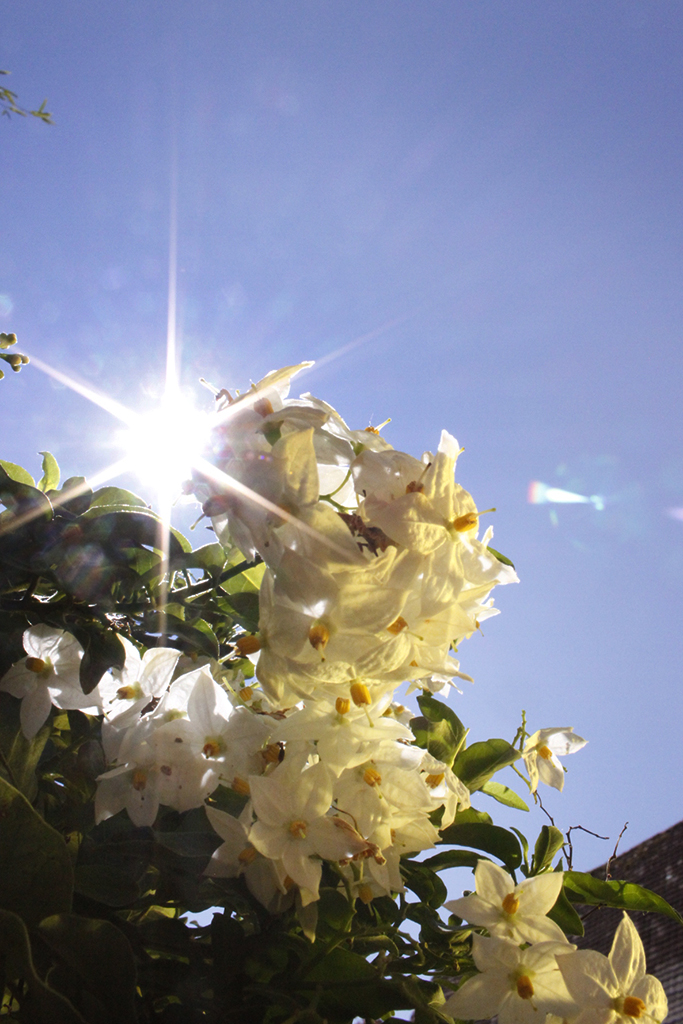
[(351, 986), (117, 496), (581, 887), (18, 473), (246, 608), (209, 557), (475, 765), (424, 882), (129, 527), (81, 495), (101, 957), (471, 815), (19, 756), (106, 883), (49, 481), (501, 558), (438, 730), (563, 913), (489, 838), (102, 650), (504, 795), (452, 859), (549, 841), (35, 865), (43, 1005), (23, 499), (248, 580)]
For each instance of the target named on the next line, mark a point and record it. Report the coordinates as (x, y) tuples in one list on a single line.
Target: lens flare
[(541, 494)]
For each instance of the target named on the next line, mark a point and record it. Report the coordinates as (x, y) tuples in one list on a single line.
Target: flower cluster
[(373, 574), (527, 967)]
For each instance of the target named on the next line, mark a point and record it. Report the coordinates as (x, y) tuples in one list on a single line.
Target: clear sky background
[(476, 208)]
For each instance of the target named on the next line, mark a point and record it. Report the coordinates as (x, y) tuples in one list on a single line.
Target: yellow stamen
[(212, 748), (511, 903), (248, 644), (469, 521), (126, 693), (240, 786), (372, 777), (248, 855), (545, 752), (376, 430), (298, 829), (365, 894), (342, 705), (360, 694), (318, 636), (246, 693), (633, 1007), (434, 780), (525, 989), (272, 753), (139, 779), (414, 664), (398, 626), (35, 665)]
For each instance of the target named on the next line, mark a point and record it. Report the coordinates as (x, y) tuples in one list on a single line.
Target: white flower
[(614, 990), (293, 825), (517, 912), (157, 767), (520, 986), (49, 675), (541, 753), (126, 692)]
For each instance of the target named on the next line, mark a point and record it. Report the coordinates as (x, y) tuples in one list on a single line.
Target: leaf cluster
[(9, 105)]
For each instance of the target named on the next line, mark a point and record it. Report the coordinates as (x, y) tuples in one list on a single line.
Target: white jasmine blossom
[(614, 989), (519, 986), (48, 675), (541, 753), (516, 912)]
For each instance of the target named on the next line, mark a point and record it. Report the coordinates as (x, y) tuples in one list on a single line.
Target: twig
[(205, 585), (614, 853)]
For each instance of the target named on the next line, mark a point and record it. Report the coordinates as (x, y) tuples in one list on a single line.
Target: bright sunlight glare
[(163, 444)]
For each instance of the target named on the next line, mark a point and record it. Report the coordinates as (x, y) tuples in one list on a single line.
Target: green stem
[(8, 769)]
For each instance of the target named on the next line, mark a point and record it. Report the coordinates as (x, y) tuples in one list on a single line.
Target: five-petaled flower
[(614, 989), (541, 752)]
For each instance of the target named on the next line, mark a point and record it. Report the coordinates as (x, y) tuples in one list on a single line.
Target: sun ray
[(171, 390), (368, 336), (105, 402), (230, 483)]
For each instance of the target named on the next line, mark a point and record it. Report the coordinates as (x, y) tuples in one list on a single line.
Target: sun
[(163, 444)]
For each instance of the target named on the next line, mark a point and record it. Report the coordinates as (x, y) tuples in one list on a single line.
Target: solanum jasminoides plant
[(216, 731)]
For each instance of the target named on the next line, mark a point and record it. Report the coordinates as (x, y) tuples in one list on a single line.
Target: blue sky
[(488, 196)]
